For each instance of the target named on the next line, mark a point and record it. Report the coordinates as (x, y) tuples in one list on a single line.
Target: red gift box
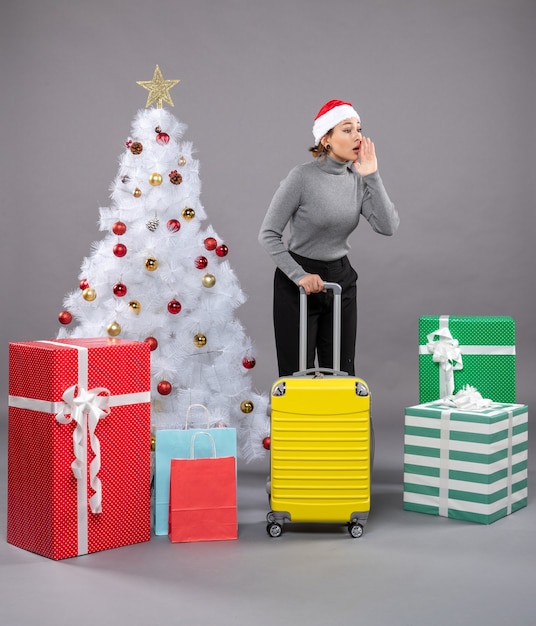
[(78, 445)]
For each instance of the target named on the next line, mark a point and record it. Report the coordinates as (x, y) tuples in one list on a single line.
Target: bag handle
[(337, 299), (201, 406), (212, 444), (318, 372)]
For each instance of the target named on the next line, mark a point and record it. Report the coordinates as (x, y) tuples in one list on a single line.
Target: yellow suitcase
[(320, 441)]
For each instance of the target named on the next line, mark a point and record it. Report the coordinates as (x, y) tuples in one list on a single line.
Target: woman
[(321, 202)]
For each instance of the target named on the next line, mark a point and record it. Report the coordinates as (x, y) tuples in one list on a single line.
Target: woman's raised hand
[(366, 163)]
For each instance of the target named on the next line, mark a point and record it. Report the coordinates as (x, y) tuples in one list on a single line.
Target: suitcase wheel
[(274, 529), (355, 530)]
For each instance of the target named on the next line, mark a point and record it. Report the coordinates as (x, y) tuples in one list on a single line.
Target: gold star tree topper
[(158, 89)]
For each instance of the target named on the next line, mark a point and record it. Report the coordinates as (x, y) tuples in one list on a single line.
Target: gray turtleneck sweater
[(321, 201)]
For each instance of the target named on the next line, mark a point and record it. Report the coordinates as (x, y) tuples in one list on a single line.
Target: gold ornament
[(153, 443), (157, 406), (137, 192), (89, 294), (135, 306), (188, 213), (158, 89), (151, 264), (208, 280), (200, 340), (182, 161), (246, 406), (113, 329), (155, 179)]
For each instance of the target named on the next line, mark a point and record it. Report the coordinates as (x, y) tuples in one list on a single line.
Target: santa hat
[(330, 115)]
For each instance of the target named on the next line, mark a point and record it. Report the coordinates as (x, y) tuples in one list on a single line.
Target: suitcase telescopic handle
[(337, 291)]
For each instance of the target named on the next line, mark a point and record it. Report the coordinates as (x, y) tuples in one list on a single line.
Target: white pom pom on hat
[(331, 114)]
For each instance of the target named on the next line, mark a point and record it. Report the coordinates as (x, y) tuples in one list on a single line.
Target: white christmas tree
[(159, 276)]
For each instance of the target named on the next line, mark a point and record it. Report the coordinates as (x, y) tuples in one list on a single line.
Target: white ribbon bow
[(446, 351), (95, 406), (468, 398)]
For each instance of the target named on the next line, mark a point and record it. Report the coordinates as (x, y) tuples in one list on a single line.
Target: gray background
[(447, 91)]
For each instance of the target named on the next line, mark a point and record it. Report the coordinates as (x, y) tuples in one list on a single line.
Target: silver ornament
[(153, 224)]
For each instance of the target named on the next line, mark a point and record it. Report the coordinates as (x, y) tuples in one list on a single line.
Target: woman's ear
[(325, 141)]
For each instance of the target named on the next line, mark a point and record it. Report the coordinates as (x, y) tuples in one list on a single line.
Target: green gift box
[(455, 351), (468, 465)]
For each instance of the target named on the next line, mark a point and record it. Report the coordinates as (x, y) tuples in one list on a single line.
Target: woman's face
[(345, 140)]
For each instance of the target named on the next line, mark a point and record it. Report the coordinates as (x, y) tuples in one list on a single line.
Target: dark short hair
[(319, 150)]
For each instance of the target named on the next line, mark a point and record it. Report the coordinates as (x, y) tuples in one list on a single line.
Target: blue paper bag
[(175, 444)]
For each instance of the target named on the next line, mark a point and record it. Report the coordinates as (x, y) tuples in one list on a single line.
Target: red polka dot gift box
[(78, 445)]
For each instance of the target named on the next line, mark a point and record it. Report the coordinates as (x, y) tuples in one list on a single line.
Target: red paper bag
[(202, 498)]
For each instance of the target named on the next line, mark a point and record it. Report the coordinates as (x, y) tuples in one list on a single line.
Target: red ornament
[(174, 225), (164, 388), (210, 243), (120, 290), (65, 317), (153, 343), (249, 362), (266, 443), (119, 228), (162, 139), (84, 284), (222, 250), (120, 249), (174, 307), (201, 262)]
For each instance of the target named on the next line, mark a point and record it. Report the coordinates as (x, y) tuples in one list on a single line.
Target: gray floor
[(407, 569)]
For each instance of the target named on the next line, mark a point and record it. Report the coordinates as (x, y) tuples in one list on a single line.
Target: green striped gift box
[(487, 353), (468, 465)]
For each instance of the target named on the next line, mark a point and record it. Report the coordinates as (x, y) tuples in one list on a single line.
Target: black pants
[(320, 317)]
